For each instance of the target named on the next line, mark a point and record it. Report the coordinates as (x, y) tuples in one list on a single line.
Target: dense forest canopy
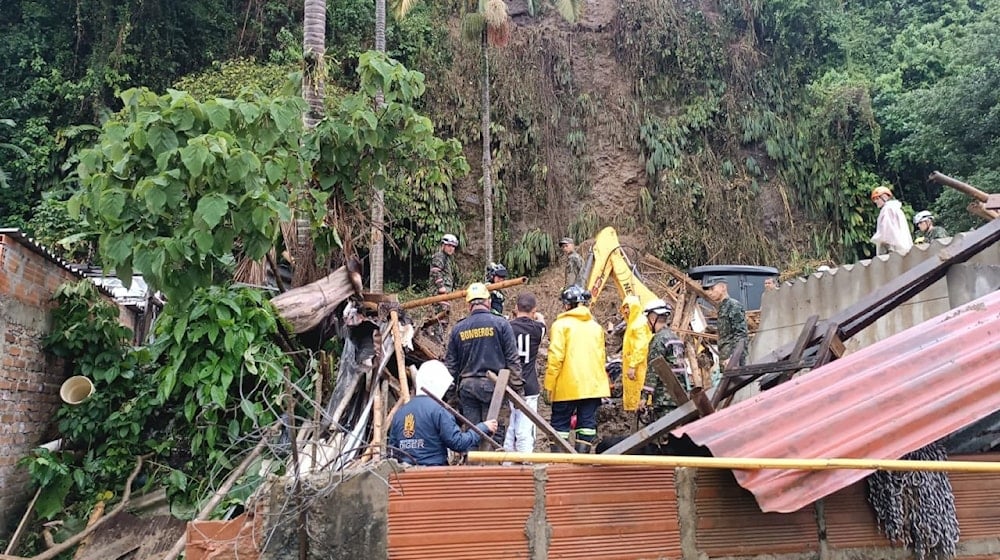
[(806, 104)]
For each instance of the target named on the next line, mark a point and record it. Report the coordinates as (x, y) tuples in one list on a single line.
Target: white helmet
[(434, 378), (659, 307), (921, 216), (449, 239)]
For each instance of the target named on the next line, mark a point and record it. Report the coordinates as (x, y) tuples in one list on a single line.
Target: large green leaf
[(211, 209)]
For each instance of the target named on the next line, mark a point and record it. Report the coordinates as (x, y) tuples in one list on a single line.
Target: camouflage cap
[(566, 241), (709, 281)]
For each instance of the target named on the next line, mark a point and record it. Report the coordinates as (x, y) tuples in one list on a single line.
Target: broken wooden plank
[(684, 413), (826, 351), (404, 384), (701, 402), (517, 402), (807, 334), (498, 392), (669, 379)]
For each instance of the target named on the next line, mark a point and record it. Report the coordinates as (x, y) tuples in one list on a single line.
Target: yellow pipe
[(670, 461)]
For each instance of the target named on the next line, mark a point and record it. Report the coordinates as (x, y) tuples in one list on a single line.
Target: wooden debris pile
[(383, 342)]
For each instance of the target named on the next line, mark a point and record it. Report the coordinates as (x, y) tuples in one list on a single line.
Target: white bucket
[(76, 389)]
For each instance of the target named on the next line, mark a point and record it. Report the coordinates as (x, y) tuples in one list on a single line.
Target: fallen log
[(306, 306)]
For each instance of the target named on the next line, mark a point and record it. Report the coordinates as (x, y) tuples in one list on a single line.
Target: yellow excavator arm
[(608, 260)]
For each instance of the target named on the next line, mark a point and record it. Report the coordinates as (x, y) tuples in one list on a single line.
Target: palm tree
[(489, 24), (377, 254), (313, 52)]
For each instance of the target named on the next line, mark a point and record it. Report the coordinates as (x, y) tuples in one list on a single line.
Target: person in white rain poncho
[(892, 232)]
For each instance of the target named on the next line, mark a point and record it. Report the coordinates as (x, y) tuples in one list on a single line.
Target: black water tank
[(746, 283)]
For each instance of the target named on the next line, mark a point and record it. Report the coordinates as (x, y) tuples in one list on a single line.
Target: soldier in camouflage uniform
[(574, 263), (667, 345), (732, 322), (496, 272), (927, 231), (444, 276)]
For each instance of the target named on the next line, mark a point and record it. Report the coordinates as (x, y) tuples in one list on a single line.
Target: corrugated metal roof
[(881, 402), (460, 513), (44, 251), (619, 513)]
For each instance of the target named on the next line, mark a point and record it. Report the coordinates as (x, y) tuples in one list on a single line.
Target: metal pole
[(668, 461)]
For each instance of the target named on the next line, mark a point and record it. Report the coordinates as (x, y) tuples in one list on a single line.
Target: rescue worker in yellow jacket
[(634, 348), (575, 376)]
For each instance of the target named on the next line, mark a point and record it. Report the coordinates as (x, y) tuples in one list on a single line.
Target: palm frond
[(495, 14), (8, 122), (570, 10), (4, 183), (532, 8), (400, 8), (16, 149), (472, 27)]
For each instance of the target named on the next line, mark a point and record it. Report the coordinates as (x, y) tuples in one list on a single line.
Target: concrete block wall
[(29, 379)]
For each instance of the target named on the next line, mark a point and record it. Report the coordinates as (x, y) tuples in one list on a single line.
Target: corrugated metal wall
[(784, 312), (621, 513)]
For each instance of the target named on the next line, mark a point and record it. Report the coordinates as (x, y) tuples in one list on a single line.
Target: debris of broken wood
[(69, 543)]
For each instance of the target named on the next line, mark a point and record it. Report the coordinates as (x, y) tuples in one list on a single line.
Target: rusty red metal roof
[(881, 402)]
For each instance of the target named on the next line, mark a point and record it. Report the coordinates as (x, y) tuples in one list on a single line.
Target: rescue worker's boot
[(585, 440), (555, 448)]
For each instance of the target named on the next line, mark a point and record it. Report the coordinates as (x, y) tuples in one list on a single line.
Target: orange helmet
[(879, 191)]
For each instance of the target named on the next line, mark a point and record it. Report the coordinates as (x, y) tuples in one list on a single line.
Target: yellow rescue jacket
[(575, 368), (637, 336), (634, 350)]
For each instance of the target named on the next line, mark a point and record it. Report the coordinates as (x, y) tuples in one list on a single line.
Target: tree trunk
[(313, 51), (377, 250), (487, 155)]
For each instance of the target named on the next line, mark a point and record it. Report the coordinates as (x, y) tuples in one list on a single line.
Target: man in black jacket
[(480, 343), (528, 332)]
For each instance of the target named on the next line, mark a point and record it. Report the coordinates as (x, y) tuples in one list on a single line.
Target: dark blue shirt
[(422, 433), (483, 342)]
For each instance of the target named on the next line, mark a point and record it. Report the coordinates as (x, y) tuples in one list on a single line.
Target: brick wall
[(29, 379)]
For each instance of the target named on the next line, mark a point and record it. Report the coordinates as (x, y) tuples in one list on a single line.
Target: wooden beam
[(498, 392), (669, 379), (807, 334), (825, 353), (517, 402), (680, 415), (404, 383), (458, 294)]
